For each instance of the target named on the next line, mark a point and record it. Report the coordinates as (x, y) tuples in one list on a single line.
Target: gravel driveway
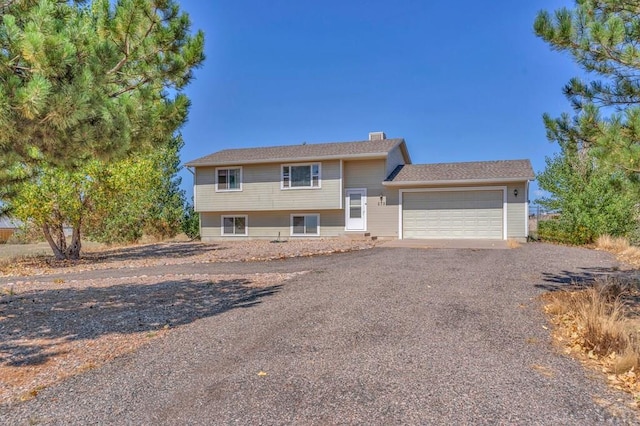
[(382, 336)]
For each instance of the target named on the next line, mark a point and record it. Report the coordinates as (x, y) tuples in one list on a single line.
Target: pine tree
[(166, 211), (593, 181), (82, 80), (602, 37), (89, 80)]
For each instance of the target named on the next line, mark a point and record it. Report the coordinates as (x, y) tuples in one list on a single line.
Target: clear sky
[(459, 80)]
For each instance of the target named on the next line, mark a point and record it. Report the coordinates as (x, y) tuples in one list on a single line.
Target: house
[(7, 227), (357, 188)]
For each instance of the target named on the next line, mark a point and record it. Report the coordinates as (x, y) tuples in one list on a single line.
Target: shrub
[(591, 200), (191, 222), (28, 233), (557, 230), (598, 322)]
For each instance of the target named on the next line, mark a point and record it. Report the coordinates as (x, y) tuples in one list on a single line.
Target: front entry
[(356, 209)]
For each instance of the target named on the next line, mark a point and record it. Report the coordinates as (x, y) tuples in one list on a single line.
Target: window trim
[(246, 225), (229, 168), (287, 188), (291, 233)]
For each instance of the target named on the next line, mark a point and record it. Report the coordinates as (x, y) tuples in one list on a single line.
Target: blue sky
[(460, 81)]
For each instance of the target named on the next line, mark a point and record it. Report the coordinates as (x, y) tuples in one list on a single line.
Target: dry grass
[(512, 244), (599, 324), (612, 244), (620, 246)]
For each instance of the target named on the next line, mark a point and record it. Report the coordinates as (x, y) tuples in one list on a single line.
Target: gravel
[(152, 255), (381, 336)]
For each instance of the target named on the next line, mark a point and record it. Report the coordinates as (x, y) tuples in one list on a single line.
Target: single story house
[(7, 227), (357, 188)]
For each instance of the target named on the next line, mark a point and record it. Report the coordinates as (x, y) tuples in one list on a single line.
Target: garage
[(447, 214)]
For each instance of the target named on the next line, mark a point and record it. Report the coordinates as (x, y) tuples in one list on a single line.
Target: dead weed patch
[(512, 244), (599, 325), (621, 247)]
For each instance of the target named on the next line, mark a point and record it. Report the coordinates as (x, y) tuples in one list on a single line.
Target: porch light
[(515, 193)]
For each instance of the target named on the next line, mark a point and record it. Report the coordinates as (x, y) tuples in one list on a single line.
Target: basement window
[(305, 225), (234, 226)]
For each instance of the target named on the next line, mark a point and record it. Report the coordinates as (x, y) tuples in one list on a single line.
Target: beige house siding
[(261, 190), (382, 216), (394, 159), (516, 211), (268, 225)]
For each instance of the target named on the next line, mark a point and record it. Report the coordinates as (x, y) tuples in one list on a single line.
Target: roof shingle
[(298, 152), (476, 170)]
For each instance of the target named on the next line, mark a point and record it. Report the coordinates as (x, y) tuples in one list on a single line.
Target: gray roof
[(10, 223), (304, 152), (505, 170)]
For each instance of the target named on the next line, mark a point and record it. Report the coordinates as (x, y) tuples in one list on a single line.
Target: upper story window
[(301, 176), (229, 179)]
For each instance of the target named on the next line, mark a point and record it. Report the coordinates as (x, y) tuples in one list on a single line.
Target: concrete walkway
[(448, 244)]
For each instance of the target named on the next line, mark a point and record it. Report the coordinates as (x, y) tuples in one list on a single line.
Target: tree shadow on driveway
[(154, 251), (32, 321), (582, 277)]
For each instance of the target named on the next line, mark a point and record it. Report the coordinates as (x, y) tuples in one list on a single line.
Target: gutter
[(454, 182), (291, 160)]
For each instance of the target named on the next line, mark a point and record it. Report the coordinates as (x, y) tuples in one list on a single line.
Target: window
[(301, 176), (229, 179), (234, 225), (305, 224)]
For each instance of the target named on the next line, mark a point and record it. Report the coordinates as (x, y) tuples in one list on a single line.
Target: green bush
[(558, 231), (28, 233), (591, 200), (191, 222)]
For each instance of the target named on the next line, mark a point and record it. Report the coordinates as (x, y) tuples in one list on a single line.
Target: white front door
[(356, 209)]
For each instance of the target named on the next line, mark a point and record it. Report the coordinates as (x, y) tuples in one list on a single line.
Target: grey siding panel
[(394, 159), (382, 215), (209, 226), (270, 224), (516, 211), (261, 190)]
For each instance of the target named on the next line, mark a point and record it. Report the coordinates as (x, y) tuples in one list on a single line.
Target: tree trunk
[(61, 238), (73, 251), (56, 250)]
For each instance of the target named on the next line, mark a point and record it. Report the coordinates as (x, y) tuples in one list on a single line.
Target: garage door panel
[(453, 214)]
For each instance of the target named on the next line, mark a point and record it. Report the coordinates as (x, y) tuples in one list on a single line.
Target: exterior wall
[(517, 211), (516, 206), (382, 216), (394, 159), (267, 225), (268, 207), (261, 190), (5, 234)]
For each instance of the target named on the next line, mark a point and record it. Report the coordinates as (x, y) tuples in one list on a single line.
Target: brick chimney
[(377, 136)]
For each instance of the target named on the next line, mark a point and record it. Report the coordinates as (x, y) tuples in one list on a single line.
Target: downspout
[(526, 211), (342, 195)]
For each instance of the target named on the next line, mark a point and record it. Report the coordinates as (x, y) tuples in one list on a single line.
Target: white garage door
[(452, 214)]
